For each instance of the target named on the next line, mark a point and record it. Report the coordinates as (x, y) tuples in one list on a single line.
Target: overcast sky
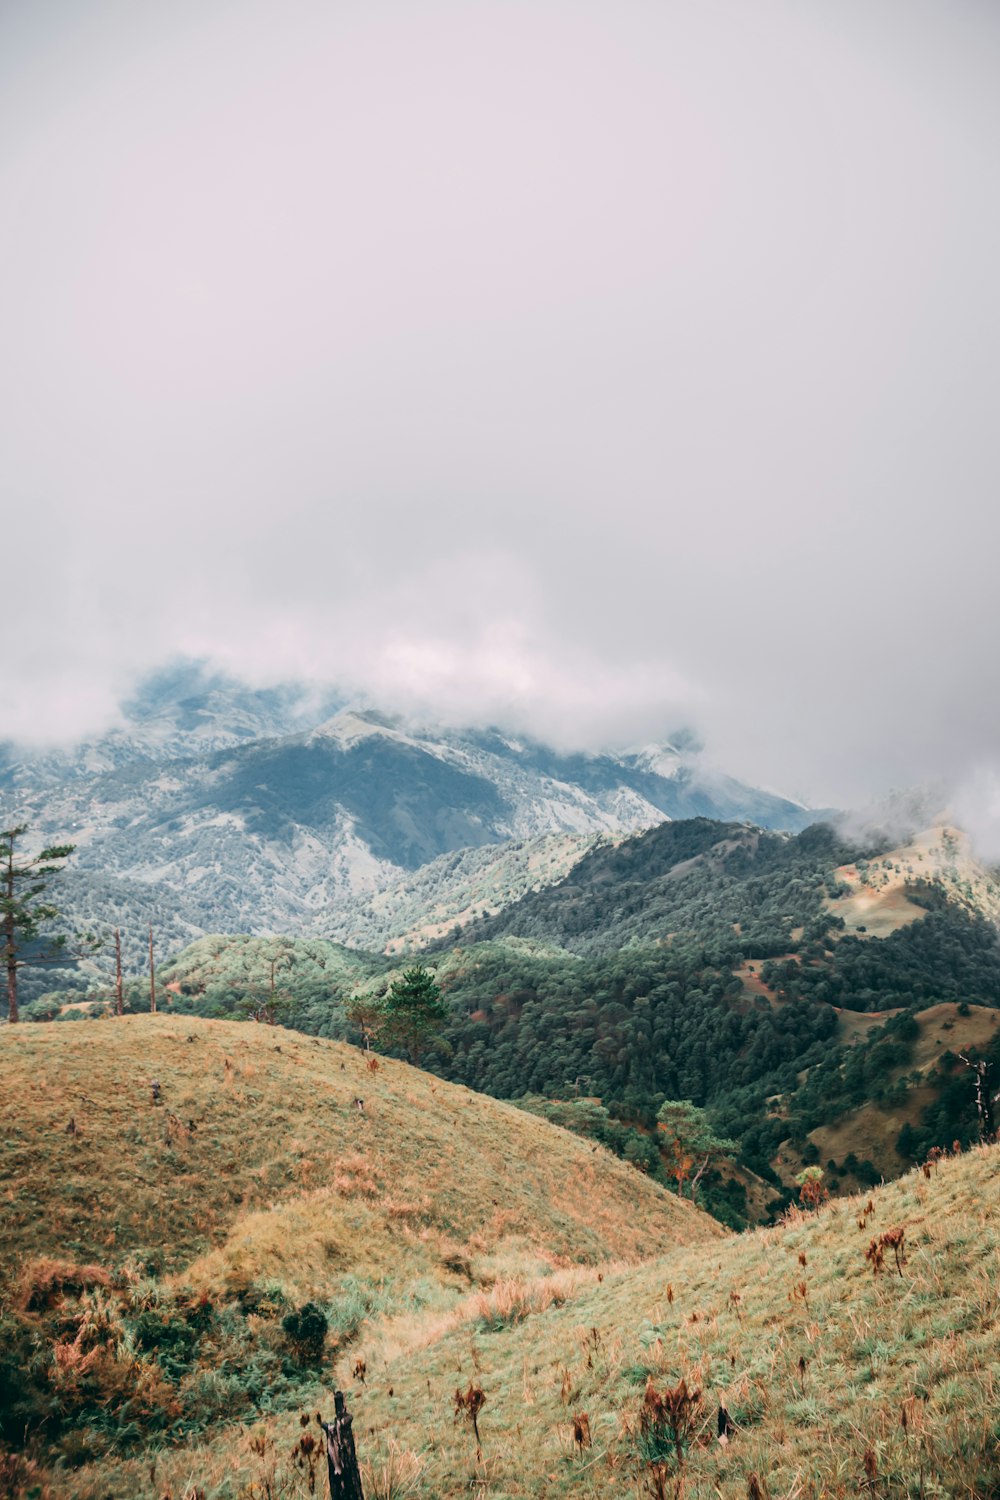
[(586, 367)]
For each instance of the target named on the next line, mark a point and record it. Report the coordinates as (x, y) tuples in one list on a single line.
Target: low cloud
[(585, 371), (975, 805)]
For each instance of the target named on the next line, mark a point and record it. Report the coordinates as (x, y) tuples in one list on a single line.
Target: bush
[(306, 1329)]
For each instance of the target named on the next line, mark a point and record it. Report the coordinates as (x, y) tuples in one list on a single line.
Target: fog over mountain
[(580, 370)]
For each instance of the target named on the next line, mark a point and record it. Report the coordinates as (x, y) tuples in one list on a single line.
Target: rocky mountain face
[(229, 809)]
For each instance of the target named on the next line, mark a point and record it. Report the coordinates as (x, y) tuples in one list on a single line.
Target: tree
[(368, 1013), (413, 1010), (688, 1138), (269, 1004), (23, 883)]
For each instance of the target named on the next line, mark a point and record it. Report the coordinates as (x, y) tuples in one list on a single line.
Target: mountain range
[(214, 806)]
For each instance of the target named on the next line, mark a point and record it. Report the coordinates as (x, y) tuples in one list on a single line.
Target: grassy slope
[(278, 1143), (878, 902), (817, 1360)]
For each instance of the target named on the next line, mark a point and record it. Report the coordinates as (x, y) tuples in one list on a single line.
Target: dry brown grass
[(275, 1171), (884, 1386)]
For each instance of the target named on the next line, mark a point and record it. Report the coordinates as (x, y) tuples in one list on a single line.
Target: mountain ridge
[(238, 809)]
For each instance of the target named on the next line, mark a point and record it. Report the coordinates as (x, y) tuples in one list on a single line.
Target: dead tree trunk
[(10, 949), (341, 1459), (119, 998), (10, 952), (152, 975)]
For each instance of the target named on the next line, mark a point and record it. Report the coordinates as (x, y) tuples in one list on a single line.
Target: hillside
[(447, 894), (191, 1218), (838, 1380)]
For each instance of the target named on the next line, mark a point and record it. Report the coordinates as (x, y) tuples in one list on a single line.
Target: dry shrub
[(46, 1281), (668, 1418), (513, 1299), (307, 1453), (470, 1403), (894, 1240)]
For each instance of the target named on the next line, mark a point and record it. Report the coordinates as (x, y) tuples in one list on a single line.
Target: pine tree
[(413, 1011), (23, 883), (689, 1135)]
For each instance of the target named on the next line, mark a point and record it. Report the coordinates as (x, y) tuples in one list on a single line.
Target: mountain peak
[(352, 725)]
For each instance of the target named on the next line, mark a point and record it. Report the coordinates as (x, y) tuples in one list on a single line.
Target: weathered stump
[(341, 1459)]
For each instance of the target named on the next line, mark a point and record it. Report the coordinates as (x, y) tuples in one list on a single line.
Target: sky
[(584, 368)]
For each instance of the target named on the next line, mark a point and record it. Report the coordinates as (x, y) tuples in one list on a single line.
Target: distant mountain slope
[(724, 884), (242, 813), (444, 896), (180, 711)]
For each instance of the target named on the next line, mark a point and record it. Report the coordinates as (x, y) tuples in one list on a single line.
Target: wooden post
[(119, 1003), (341, 1459), (152, 975)]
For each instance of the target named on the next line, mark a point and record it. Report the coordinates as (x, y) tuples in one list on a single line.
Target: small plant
[(812, 1192), (581, 1430), (307, 1452), (894, 1240), (470, 1403), (667, 1420)]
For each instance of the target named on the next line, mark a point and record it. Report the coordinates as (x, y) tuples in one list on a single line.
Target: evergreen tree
[(689, 1136), (23, 883), (413, 1011)]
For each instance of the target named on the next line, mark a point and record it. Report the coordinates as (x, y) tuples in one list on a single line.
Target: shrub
[(306, 1330)]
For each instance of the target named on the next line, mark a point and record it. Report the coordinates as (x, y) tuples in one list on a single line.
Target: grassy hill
[(839, 1380), (154, 1241)]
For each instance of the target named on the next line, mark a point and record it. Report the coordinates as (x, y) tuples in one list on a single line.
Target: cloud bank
[(581, 368)]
